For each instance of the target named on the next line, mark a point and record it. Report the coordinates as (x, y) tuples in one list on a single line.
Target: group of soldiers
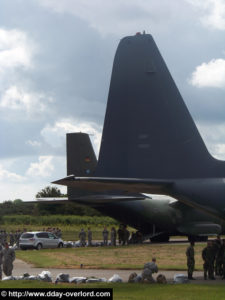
[(55, 230), (213, 256), (122, 233), (105, 234), (11, 237)]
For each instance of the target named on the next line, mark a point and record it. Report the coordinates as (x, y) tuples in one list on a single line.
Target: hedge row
[(55, 220)]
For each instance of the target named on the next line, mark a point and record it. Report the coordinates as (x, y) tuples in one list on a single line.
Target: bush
[(57, 220)]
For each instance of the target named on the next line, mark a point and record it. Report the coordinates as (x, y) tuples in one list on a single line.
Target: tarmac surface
[(21, 267)]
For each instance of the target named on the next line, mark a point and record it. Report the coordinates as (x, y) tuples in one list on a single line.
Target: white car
[(38, 240)]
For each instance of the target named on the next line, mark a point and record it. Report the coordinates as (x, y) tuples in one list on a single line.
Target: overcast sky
[(55, 67)]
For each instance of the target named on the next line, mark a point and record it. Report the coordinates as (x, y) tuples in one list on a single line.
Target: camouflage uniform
[(219, 256), (8, 258), (1, 237), (223, 262), (11, 239), (120, 233), (126, 236), (208, 255), (149, 269), (89, 237), (190, 253), (113, 236), (105, 235), (1, 255), (5, 236), (82, 237)]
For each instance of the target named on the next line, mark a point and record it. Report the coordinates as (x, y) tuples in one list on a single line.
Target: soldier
[(219, 256), (120, 233), (5, 236), (223, 255), (113, 236), (105, 235), (89, 237), (18, 234), (1, 237), (1, 255), (82, 237), (8, 258), (190, 253), (208, 258), (11, 239), (149, 269), (58, 232), (126, 235)]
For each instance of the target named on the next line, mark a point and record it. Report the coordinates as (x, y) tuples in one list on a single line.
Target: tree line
[(19, 207)]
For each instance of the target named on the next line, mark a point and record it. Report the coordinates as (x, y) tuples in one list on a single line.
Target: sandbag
[(180, 278), (62, 278), (77, 280), (115, 278), (45, 276)]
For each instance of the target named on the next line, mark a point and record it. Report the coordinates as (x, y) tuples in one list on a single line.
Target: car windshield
[(27, 235)]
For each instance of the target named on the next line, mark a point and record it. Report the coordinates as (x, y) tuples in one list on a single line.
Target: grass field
[(126, 291), (169, 257), (69, 232)]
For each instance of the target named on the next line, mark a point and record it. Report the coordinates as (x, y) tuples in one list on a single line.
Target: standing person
[(113, 236), (120, 233), (1, 255), (223, 256), (126, 235), (82, 237), (89, 237), (105, 235), (190, 253), (11, 239), (208, 258), (219, 256), (8, 259)]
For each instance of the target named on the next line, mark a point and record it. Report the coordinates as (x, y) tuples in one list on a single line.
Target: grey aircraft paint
[(150, 143), (156, 218)]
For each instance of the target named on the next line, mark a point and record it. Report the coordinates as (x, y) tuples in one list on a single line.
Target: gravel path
[(21, 267)]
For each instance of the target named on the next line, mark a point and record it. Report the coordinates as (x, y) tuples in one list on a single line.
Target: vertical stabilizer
[(81, 159), (148, 130)]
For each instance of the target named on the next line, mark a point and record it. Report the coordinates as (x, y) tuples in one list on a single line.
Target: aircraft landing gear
[(196, 238), (162, 238)]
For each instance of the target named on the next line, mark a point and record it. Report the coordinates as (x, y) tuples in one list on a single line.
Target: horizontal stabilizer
[(151, 186), (91, 199), (48, 200), (101, 199)]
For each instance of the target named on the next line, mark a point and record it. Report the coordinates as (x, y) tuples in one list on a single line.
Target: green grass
[(126, 291), (70, 225), (120, 257)]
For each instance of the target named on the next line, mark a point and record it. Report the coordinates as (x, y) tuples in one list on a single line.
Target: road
[(20, 267)]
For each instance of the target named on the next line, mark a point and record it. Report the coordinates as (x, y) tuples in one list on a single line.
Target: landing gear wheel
[(163, 238)]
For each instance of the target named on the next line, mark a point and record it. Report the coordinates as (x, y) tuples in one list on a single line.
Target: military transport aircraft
[(156, 217), (150, 144)]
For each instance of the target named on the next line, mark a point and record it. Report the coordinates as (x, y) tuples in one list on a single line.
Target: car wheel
[(60, 245), (39, 246)]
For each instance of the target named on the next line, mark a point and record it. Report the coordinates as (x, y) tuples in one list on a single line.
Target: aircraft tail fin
[(148, 130), (81, 159)]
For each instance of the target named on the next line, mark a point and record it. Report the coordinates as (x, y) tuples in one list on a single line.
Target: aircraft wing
[(137, 185)]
